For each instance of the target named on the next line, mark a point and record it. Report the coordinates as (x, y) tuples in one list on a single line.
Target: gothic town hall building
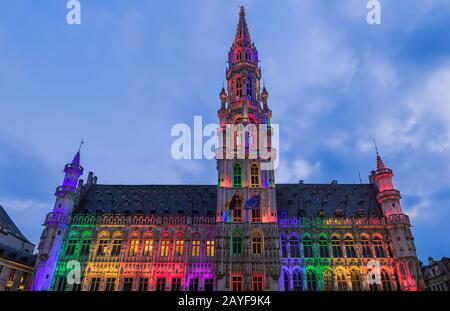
[(245, 233)]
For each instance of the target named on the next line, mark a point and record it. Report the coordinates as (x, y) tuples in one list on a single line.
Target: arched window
[(71, 245), (148, 247), (286, 281), (237, 243), (297, 280), (294, 247), (341, 281), (249, 88), (257, 242), (307, 247), (237, 176), (256, 211), (365, 247), (117, 246), (165, 247), (349, 244), (236, 208), (283, 247), (238, 87), (311, 280), (195, 249), (179, 246), (356, 280), (102, 246), (386, 281), (336, 246), (210, 248), (327, 280), (254, 176), (323, 246), (378, 246), (134, 247)]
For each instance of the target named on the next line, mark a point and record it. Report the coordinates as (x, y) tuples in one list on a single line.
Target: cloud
[(293, 171)]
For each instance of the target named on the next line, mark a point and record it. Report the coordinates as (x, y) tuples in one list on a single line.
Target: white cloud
[(295, 170)]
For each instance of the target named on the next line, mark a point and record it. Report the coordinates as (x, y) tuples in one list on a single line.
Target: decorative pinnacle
[(242, 12), (376, 147)]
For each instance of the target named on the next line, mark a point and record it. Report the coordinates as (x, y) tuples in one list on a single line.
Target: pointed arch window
[(239, 87), (336, 246), (250, 88), (134, 247), (349, 244), (286, 281), (237, 176), (165, 247), (254, 175), (297, 280), (236, 208), (116, 247), (386, 281), (311, 280), (294, 244), (307, 247), (283, 247), (257, 243), (356, 280), (323, 247), (378, 246), (365, 247), (327, 280), (341, 281)]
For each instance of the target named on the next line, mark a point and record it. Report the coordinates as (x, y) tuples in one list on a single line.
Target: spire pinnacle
[(76, 158), (380, 163), (242, 33)]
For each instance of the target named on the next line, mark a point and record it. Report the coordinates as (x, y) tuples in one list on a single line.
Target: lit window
[(257, 243), (148, 248), (210, 248), (179, 247), (254, 176), (165, 245), (134, 247), (195, 248)]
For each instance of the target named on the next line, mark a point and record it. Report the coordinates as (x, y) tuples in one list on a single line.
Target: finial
[(376, 147), (242, 12), (359, 175), (81, 144)]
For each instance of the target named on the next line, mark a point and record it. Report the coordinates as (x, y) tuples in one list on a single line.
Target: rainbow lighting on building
[(245, 233)]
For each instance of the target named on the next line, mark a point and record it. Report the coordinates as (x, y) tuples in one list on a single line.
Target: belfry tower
[(55, 226), (409, 276), (247, 256)]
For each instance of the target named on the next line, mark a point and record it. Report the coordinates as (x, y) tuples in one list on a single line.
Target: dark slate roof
[(188, 200), (308, 200), (15, 255), (330, 200), (6, 222)]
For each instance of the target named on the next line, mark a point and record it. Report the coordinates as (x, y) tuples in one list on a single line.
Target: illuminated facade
[(245, 233)]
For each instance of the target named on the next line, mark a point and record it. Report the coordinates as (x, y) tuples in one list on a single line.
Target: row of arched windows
[(239, 87), (292, 247), (340, 280)]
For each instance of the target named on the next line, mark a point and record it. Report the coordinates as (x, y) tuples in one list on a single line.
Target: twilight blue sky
[(134, 68)]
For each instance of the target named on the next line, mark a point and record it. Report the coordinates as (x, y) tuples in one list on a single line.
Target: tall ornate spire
[(76, 158), (242, 33), (380, 163)]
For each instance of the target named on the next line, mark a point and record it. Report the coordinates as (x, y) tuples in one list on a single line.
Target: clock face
[(43, 257)]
